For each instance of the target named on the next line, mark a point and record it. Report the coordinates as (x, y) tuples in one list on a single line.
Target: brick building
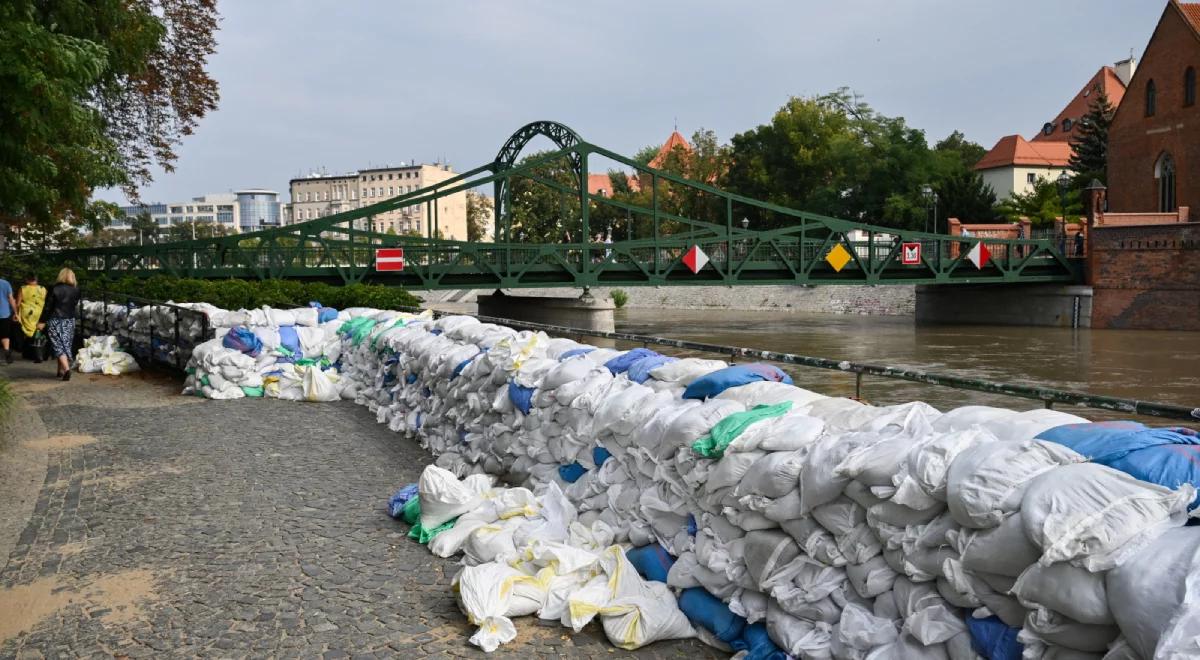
[(1145, 277), (1154, 140)]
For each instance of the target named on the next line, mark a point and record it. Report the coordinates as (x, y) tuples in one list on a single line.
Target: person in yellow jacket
[(30, 300)]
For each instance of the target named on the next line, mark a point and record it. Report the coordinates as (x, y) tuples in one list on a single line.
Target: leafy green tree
[(957, 153), (479, 215), (541, 213), (1089, 156), (94, 94), (965, 196), (646, 154), (1043, 205), (144, 227)]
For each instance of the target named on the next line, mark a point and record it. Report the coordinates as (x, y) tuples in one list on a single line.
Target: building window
[(1189, 86), (391, 191), (1048, 128), (1067, 125), (1151, 99), (1164, 172)]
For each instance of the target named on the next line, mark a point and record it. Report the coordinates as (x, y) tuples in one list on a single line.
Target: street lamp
[(931, 201), (1064, 182)]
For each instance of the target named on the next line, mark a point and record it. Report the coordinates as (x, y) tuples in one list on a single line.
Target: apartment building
[(319, 195)]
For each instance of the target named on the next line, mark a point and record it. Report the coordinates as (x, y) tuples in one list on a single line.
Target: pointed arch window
[(1189, 86), (1151, 98), (1164, 174)]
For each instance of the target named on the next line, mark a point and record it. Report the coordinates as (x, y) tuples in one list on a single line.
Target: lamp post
[(1064, 182), (930, 196)]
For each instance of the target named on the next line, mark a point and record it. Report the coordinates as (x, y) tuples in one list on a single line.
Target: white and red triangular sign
[(979, 255), (695, 259)]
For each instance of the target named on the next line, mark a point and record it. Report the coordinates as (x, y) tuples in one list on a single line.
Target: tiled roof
[(676, 140), (1016, 150), (1105, 80), (1191, 11), (598, 182)]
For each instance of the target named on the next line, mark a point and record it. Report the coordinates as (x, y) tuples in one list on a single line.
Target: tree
[(1042, 205), (646, 154), (95, 93), (1089, 155), (541, 213), (965, 196), (144, 226), (957, 153), (479, 215)]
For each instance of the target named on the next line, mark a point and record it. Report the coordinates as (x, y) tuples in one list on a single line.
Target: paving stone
[(263, 525)]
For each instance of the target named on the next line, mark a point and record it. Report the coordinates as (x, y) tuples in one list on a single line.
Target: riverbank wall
[(884, 300)]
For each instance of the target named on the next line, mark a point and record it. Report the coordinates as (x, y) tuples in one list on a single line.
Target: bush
[(239, 294), (619, 297)]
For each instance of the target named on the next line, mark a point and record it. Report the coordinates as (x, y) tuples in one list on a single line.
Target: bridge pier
[(585, 312), (1050, 305)]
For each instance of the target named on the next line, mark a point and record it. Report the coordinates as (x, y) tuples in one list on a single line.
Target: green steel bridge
[(804, 248)]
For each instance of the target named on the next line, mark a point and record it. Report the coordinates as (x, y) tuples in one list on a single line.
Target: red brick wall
[(1135, 141), (1146, 277)]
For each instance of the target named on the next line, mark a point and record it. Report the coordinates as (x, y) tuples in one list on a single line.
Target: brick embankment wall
[(1147, 277), (884, 300)]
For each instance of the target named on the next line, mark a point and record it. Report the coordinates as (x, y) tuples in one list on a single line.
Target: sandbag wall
[(850, 531)]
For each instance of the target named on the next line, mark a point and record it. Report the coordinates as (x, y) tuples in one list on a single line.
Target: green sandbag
[(727, 430), (423, 536), (252, 391), (411, 513)]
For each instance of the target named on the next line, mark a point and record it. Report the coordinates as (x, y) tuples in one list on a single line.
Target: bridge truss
[(803, 248)]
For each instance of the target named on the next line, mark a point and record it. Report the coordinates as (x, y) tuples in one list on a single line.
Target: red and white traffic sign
[(389, 259), (910, 254), (695, 259), (979, 255)]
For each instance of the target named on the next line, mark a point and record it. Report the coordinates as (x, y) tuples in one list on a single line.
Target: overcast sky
[(351, 84)]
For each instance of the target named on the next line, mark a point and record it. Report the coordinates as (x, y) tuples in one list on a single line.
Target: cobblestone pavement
[(173, 527)]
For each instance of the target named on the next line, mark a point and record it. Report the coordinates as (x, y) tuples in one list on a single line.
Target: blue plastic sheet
[(463, 365), (397, 501), (291, 341), (571, 473), (651, 561), (639, 372), (622, 362), (706, 610), (599, 455), (993, 639), (1166, 456), (243, 340), (573, 352), (710, 385), (521, 396), (757, 644)]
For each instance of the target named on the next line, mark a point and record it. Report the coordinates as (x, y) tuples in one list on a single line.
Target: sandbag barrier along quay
[(780, 519), (1048, 396)]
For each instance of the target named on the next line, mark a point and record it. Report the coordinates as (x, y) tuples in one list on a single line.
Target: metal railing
[(1047, 395), (162, 344)]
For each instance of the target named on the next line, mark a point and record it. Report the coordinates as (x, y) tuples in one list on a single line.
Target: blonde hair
[(66, 276)]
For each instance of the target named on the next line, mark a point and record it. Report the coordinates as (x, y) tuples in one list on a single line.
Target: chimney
[(1124, 69)]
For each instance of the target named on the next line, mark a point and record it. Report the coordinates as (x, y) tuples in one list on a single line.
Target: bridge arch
[(560, 134)]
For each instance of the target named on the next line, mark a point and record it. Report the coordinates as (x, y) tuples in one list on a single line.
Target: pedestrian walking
[(1020, 237), (1079, 244), (59, 319), (8, 308), (31, 299)]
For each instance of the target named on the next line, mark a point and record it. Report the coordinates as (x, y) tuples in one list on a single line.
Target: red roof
[(1016, 150), (1191, 11), (1106, 81), (598, 182), (676, 140)]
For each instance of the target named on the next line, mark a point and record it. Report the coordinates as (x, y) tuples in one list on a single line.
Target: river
[(1148, 365)]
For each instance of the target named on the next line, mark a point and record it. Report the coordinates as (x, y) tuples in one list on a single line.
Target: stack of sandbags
[(217, 372), (103, 354)]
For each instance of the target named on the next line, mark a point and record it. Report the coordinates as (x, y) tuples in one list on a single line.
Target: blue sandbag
[(757, 644), (575, 351), (710, 385), (705, 609), (410, 379), (291, 341), (692, 527), (521, 396), (397, 501), (571, 473), (463, 365), (651, 561), (993, 639), (241, 339), (326, 314), (639, 372), (1169, 457), (622, 362), (599, 455)]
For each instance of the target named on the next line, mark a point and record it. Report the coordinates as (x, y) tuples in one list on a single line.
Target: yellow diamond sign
[(838, 257)]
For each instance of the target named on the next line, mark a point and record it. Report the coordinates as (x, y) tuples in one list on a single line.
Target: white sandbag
[(859, 631), (491, 593), (766, 552), (930, 463), (819, 481), (800, 638), (1004, 549), (1073, 592), (966, 417), (789, 432), (773, 475), (1097, 516), (871, 578), (986, 481), (1057, 630), (443, 497), (686, 370), (1155, 596), (768, 392)]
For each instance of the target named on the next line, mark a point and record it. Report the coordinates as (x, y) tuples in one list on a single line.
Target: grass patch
[(619, 297)]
